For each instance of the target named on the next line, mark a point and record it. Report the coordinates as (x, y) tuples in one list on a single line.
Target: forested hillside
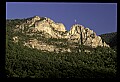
[(111, 39), (22, 61)]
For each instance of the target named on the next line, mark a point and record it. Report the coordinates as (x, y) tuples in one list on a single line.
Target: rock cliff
[(47, 28), (85, 36)]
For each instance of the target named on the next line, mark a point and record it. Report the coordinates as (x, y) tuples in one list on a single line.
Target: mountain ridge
[(45, 27)]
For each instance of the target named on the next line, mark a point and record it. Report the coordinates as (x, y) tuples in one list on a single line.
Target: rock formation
[(85, 36), (15, 39), (51, 29), (34, 43)]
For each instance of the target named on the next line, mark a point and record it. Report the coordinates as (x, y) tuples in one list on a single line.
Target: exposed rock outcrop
[(85, 36), (50, 29), (40, 45), (15, 39)]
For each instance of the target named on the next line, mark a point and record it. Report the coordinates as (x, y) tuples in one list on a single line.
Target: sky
[(99, 17)]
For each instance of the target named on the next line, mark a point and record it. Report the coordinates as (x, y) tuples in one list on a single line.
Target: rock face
[(15, 39), (49, 23), (58, 27), (85, 36), (34, 43), (50, 29)]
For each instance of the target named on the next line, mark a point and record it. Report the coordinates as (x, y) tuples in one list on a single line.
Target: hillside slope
[(70, 60), (110, 38)]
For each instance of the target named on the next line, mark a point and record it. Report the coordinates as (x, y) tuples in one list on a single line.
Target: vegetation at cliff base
[(25, 62)]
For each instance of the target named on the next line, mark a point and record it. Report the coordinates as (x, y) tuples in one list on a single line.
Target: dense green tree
[(111, 39)]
